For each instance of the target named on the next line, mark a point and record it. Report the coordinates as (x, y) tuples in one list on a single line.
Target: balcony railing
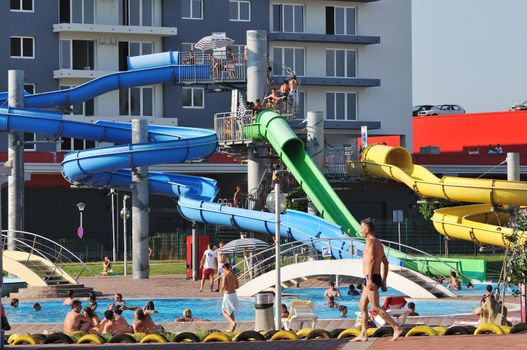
[(222, 69), (336, 161)]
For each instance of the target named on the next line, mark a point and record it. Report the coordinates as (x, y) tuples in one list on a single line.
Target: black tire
[(39, 338), (470, 329), (186, 336), (383, 332), (335, 333), (58, 338), (122, 338), (457, 330), (318, 334), (269, 334), (519, 328), (250, 336)]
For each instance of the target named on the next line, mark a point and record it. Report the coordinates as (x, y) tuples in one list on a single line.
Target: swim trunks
[(208, 273), (376, 279)]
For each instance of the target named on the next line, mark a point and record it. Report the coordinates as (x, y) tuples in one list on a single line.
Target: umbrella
[(248, 244), (214, 41)]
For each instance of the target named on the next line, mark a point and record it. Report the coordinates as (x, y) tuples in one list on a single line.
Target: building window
[(193, 97), (77, 11), (288, 18), (22, 47), (341, 20), (21, 5), (192, 9), (288, 60), (341, 63), (137, 101), (29, 142), (86, 108), (136, 12), (341, 106), (129, 49), (239, 10), (30, 88), (84, 57), (69, 144)]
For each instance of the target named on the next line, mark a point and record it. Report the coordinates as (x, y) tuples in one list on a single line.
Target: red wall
[(456, 133)]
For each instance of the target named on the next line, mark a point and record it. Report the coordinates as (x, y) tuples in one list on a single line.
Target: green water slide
[(273, 128)]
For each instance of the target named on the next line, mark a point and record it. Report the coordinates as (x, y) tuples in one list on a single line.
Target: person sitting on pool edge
[(187, 317)]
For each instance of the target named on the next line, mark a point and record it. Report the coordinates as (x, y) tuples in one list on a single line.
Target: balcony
[(113, 29), (325, 38), (331, 81), (79, 73)]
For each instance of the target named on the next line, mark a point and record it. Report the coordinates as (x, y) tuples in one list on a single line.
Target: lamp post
[(125, 214), (112, 195), (276, 202), (80, 229)]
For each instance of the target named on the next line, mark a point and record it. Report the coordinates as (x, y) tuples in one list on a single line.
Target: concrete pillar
[(15, 156), (513, 166), (315, 145), (256, 64), (256, 168), (140, 207), (195, 252)]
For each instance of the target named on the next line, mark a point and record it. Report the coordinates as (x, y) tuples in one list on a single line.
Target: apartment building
[(352, 60)]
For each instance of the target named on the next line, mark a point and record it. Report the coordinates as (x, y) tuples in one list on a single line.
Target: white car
[(443, 109)]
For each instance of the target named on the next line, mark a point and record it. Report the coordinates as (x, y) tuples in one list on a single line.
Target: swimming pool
[(169, 309)]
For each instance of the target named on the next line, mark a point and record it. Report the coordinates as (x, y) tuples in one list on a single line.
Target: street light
[(276, 202), (125, 214), (112, 195), (80, 229)]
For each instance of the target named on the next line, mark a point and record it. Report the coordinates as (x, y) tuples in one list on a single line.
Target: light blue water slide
[(109, 167)]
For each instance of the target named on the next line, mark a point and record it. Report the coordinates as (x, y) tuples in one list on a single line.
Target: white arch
[(344, 267)]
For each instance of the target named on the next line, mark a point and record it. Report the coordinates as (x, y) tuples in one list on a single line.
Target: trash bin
[(263, 305)]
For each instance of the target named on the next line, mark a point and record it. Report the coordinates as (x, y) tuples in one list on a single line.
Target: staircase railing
[(41, 246), (300, 251)]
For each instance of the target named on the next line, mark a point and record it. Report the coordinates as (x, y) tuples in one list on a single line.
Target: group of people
[(495, 150), (286, 92)]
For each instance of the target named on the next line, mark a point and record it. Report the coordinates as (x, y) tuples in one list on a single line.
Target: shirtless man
[(332, 291), (106, 266), (75, 320), (142, 323), (372, 258), (221, 259), (230, 299)]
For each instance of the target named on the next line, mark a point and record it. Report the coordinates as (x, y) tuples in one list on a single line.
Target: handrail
[(298, 244), (53, 247)]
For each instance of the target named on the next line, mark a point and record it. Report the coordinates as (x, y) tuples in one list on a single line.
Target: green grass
[(157, 267)]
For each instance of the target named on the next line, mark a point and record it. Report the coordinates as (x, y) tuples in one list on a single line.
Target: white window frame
[(20, 9), (152, 10), (141, 102), (71, 107), (192, 89), (345, 63), (72, 142), (345, 20), (239, 2), (21, 38), (71, 53), (83, 14), (283, 72), (346, 93), (192, 12), (140, 47), (282, 17), (30, 147)]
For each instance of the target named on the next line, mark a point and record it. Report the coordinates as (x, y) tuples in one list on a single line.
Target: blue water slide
[(109, 167)]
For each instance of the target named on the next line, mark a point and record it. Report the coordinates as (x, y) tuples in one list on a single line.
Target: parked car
[(420, 108), (519, 106), (443, 109)]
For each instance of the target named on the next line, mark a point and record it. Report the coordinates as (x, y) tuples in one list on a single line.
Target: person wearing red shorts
[(207, 265)]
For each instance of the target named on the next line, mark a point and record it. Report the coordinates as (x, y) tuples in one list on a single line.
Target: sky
[(469, 52)]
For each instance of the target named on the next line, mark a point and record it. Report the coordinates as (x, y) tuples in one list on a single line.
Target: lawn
[(157, 267)]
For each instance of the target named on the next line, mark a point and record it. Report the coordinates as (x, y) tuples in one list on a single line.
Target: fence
[(336, 161), (220, 67)]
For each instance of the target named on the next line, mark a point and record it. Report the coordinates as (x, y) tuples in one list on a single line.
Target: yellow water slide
[(481, 223)]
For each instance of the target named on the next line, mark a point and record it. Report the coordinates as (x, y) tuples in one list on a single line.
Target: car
[(519, 106), (420, 108), (443, 109)]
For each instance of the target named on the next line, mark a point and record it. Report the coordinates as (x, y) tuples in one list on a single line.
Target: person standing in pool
[(372, 258), (230, 299)]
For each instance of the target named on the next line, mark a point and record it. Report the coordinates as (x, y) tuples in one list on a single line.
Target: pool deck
[(179, 287)]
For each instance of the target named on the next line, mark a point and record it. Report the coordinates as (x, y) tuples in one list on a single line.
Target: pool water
[(169, 309)]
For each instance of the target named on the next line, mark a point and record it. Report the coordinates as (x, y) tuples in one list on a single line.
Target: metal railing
[(229, 126), (45, 248), (221, 68), (336, 160), (300, 251)]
